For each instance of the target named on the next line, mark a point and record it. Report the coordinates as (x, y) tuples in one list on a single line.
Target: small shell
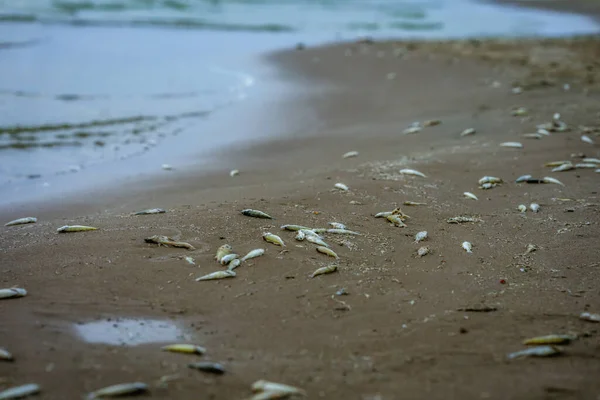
[(563, 167), (316, 240), (266, 386), (234, 172), (420, 236), (467, 246), (432, 122), (342, 232), (234, 264), (228, 258), (490, 179), (470, 195), (383, 214), (19, 391), (327, 251), (411, 130), (5, 355), (519, 112), (548, 179), (300, 236), (217, 275), (540, 351), (549, 339), (293, 228), (324, 270), (150, 211), (123, 389), (523, 178), (253, 254), (337, 225), (341, 186), (256, 214), (515, 145), (22, 221), (75, 228), (408, 171), (522, 208), (535, 207), (467, 132), (223, 251), (190, 260), (423, 251), (586, 316), (206, 366), (350, 154), (184, 348), (396, 220), (274, 239), (12, 292), (587, 139)]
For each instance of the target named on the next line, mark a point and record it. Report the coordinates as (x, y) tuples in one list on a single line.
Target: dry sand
[(399, 333)]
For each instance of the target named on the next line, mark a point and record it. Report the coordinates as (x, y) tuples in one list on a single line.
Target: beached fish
[(432, 122), (517, 90), (540, 351), (490, 179), (549, 339), (324, 270), (190, 260), (412, 129), (413, 203), (488, 185), (22, 221), (256, 214), (563, 167), (523, 178), (383, 214), (207, 366), (75, 228), (222, 251), (548, 179), (341, 186), (350, 154), (467, 246), (396, 220), (184, 348), (532, 135), (522, 208), (423, 251), (266, 386), (519, 112), (274, 239), (12, 292), (591, 160), (120, 390), (316, 240), (234, 264), (234, 172), (543, 132), (5, 355), (253, 254), (535, 207), (467, 132), (556, 163), (228, 258), (420, 236), (337, 225), (313, 232), (587, 139), (293, 228), (300, 236), (166, 167), (342, 232), (150, 211), (327, 251), (408, 171), (217, 275), (586, 165), (470, 195), (598, 170), (463, 219), (19, 391), (162, 240), (586, 316)]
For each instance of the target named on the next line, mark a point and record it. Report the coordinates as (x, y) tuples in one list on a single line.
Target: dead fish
[(166, 167), (300, 236), (413, 203), (206, 366), (342, 231), (412, 129), (488, 185), (162, 240), (467, 132), (549, 339), (490, 179), (423, 251), (420, 236), (190, 260), (5, 355), (337, 225), (519, 112), (350, 154), (253, 254), (523, 178), (383, 214), (313, 232), (274, 239), (19, 391), (532, 135), (543, 132), (222, 251), (586, 316), (396, 220), (228, 258), (467, 246), (293, 228), (517, 90), (316, 240), (522, 208), (540, 351), (184, 348), (122, 389), (234, 172), (216, 275), (556, 163), (12, 292), (470, 195), (598, 170), (563, 167), (432, 122), (587, 139), (341, 186), (256, 214), (535, 207), (266, 386), (324, 270), (548, 179), (327, 251), (408, 171), (150, 211), (270, 395), (234, 264), (591, 160), (75, 228), (22, 221), (586, 165), (463, 219)]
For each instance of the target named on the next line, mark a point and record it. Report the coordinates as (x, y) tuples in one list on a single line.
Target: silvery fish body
[(523, 178), (19, 391), (468, 247), (150, 211), (121, 389), (256, 214), (75, 228), (470, 195), (341, 186), (539, 351), (22, 221), (408, 171), (217, 275), (324, 270), (12, 292), (420, 236), (253, 254)]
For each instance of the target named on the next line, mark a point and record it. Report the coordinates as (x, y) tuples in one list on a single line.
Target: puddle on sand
[(130, 331)]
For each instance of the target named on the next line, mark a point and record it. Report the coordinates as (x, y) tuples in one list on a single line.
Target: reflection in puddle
[(129, 332)]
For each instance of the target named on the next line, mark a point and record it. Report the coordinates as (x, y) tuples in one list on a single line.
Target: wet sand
[(402, 329)]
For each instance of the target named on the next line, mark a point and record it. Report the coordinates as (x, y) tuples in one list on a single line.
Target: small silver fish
[(12, 292), (467, 246), (184, 348), (316, 240), (522, 208), (412, 129), (463, 219), (313, 232), (533, 135), (523, 178), (396, 220), (540, 351), (228, 258), (274, 239), (350, 154), (519, 112), (253, 254), (586, 316), (122, 389), (234, 172), (75, 228), (19, 391), (324, 270), (222, 251), (487, 185), (190, 260), (256, 214), (470, 195), (563, 167), (162, 240), (586, 165), (5, 355), (543, 132), (467, 132), (413, 203), (587, 139), (342, 231), (549, 339), (22, 221), (207, 366), (293, 228), (341, 186), (423, 251), (408, 171), (548, 179), (150, 211), (266, 386), (383, 214), (300, 236), (337, 225), (234, 264), (420, 236), (535, 207), (216, 275), (556, 163), (591, 160), (490, 179), (327, 251)]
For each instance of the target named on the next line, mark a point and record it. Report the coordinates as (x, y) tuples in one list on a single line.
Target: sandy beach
[(387, 324)]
